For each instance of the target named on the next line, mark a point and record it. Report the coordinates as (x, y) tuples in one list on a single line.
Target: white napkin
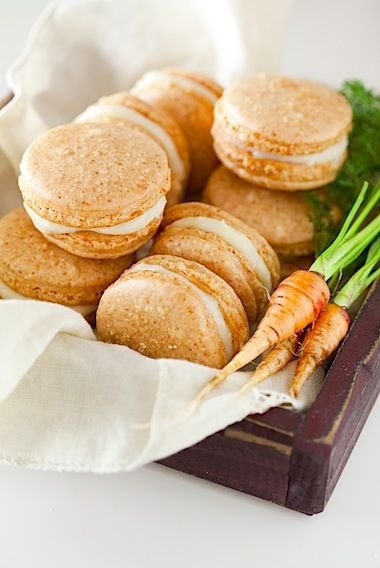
[(67, 401)]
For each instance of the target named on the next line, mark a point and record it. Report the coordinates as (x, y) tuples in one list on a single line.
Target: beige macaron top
[(33, 267), (191, 82), (283, 218), (165, 306), (178, 213), (127, 109), (93, 174), (284, 115)]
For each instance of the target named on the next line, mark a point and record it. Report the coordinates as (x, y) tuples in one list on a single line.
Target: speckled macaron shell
[(192, 111), (158, 117), (160, 315), (215, 253), (285, 117), (94, 175), (33, 267), (282, 218)]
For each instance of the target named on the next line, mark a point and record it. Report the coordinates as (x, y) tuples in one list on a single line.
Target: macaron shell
[(282, 218), (195, 117), (194, 114), (128, 314), (161, 316), (284, 115), (88, 244), (162, 119), (93, 174), (37, 269), (229, 303), (203, 80), (197, 209), (273, 174), (214, 253)]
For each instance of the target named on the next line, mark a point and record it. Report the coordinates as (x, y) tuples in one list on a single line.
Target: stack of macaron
[(277, 137), (93, 194), (97, 191)]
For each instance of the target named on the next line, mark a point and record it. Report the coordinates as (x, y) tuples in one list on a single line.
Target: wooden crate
[(291, 458)]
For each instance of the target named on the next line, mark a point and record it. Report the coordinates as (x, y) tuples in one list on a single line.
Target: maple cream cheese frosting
[(233, 250), (32, 268), (97, 190), (282, 133), (189, 98), (166, 306), (334, 153), (129, 227), (126, 109)]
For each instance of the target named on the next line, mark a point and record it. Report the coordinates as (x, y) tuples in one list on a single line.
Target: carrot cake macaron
[(97, 190), (33, 268), (127, 109), (283, 218), (165, 306), (235, 252), (189, 98), (282, 133)]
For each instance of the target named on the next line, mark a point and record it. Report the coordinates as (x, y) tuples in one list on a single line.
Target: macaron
[(126, 109), (283, 218), (282, 133), (165, 306), (97, 190), (230, 248), (189, 98), (33, 268)]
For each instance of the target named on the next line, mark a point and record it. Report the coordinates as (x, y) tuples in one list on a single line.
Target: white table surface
[(158, 517)]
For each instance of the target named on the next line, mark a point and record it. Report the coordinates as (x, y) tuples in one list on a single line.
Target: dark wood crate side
[(326, 437), (240, 460)]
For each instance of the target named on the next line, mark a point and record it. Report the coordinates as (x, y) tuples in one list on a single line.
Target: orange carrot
[(274, 361), (294, 304), (320, 341), (332, 324)]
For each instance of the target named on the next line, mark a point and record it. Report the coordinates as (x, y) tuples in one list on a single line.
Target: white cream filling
[(96, 111), (6, 293), (233, 237), (135, 225), (151, 78), (210, 303), (332, 154)]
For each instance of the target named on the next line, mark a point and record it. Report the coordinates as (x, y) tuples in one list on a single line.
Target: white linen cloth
[(68, 401)]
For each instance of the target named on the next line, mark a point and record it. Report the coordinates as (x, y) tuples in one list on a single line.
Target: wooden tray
[(291, 458)]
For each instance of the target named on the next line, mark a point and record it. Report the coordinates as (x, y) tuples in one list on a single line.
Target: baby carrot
[(300, 298), (320, 341), (294, 304), (274, 361), (333, 323)]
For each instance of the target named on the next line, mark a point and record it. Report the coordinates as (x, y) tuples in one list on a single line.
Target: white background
[(157, 517)]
